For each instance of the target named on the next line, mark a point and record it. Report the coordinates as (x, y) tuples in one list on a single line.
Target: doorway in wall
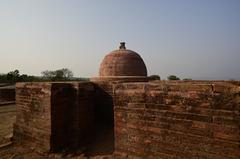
[(103, 143), (63, 114)]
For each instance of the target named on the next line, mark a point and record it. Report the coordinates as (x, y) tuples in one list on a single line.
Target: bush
[(173, 77), (154, 77)]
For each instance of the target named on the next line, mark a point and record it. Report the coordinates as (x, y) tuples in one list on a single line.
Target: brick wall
[(54, 116), (177, 120), (104, 111), (33, 120), (104, 95), (193, 119)]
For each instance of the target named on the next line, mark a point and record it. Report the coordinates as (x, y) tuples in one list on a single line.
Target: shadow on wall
[(104, 124), (64, 112), (7, 93)]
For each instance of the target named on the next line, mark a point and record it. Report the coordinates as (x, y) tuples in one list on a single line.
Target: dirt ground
[(7, 118), (101, 149)]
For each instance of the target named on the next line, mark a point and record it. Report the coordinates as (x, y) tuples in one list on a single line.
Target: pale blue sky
[(198, 39)]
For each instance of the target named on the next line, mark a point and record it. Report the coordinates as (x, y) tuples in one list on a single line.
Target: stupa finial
[(122, 46)]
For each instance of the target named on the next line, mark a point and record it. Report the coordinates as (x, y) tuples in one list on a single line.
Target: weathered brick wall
[(177, 120), (104, 95), (54, 116), (104, 110), (33, 120)]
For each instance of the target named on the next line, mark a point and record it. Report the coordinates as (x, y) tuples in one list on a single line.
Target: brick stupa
[(122, 65)]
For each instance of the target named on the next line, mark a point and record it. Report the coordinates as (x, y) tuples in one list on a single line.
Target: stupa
[(122, 64)]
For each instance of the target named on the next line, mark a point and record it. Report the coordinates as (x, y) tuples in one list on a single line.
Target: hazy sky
[(198, 39)]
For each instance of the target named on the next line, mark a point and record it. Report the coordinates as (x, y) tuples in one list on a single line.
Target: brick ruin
[(151, 119), (141, 119), (177, 120), (53, 116)]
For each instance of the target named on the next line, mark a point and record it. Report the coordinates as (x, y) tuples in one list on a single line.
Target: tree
[(58, 75), (173, 77), (3, 78), (64, 73), (23, 78), (48, 75), (154, 77), (13, 76), (27, 78)]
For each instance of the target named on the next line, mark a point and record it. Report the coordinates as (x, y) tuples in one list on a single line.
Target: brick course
[(177, 120), (197, 119), (54, 116)]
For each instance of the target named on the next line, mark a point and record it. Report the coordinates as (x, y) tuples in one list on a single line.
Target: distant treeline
[(57, 75), (63, 74)]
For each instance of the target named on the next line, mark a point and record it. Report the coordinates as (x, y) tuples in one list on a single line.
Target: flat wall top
[(119, 79), (20, 84), (211, 86), (7, 87)]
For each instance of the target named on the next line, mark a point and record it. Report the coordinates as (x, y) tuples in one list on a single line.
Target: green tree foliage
[(27, 78), (154, 77), (3, 78), (13, 76), (173, 77), (58, 75)]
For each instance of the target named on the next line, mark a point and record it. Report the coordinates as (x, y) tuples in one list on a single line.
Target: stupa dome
[(122, 62)]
